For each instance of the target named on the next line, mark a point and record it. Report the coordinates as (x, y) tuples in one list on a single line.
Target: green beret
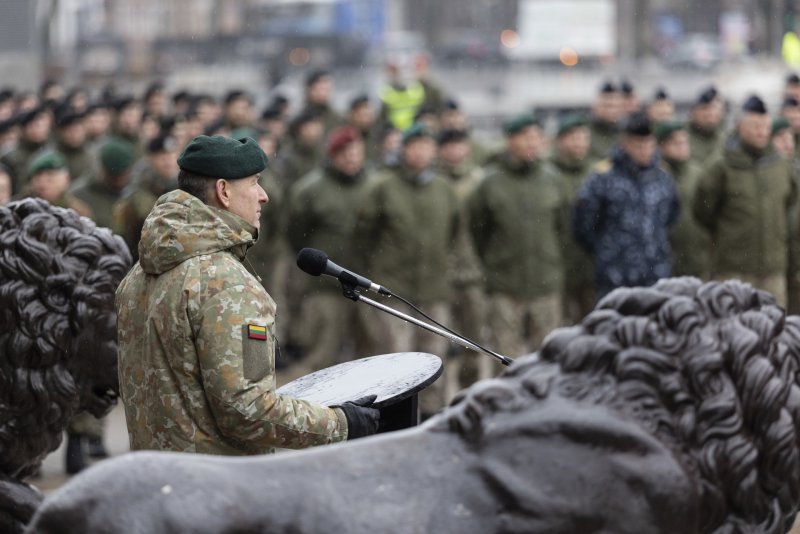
[(415, 131), (666, 129), (46, 161), (117, 156), (520, 122), (223, 157), (570, 121), (779, 124)]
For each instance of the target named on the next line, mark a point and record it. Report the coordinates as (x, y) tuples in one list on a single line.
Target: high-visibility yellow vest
[(790, 50), (403, 104)]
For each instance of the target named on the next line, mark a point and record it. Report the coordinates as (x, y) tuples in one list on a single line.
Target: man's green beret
[(779, 124), (570, 121), (46, 161), (223, 157), (516, 124), (415, 131), (117, 156), (667, 128)]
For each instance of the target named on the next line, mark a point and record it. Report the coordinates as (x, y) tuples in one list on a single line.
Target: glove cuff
[(343, 429)]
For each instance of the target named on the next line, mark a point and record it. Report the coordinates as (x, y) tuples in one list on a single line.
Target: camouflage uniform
[(516, 216), (197, 346), (131, 211), (322, 214)]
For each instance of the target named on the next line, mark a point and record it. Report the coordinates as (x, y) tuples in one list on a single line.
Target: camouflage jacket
[(197, 346)]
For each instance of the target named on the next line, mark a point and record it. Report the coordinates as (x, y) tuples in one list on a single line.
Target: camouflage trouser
[(332, 330), (510, 319), (774, 284), (400, 336), (464, 367), (87, 424), (578, 302)]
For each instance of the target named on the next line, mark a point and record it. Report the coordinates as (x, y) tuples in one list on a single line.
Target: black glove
[(362, 420)]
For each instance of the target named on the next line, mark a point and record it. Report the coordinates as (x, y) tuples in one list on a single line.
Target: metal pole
[(505, 360)]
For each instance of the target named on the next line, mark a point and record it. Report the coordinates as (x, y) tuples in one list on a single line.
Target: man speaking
[(196, 329)]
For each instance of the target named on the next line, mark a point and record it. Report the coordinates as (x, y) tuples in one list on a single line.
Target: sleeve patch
[(256, 332)]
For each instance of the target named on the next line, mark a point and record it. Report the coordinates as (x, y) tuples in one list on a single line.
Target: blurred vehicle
[(702, 51)]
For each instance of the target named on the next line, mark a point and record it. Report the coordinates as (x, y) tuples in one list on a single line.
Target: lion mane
[(58, 274), (709, 369)]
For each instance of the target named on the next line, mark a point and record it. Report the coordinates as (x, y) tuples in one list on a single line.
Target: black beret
[(358, 101), (160, 144), (793, 79), (451, 135), (707, 95), (123, 102), (236, 94), (627, 87), (638, 125), (315, 76), (153, 88), (223, 157), (278, 101), (6, 93), (181, 96), (7, 124), (780, 123), (755, 105), (272, 113), (27, 117), (305, 117), (421, 112), (661, 94), (451, 105), (608, 88), (66, 115), (790, 102)]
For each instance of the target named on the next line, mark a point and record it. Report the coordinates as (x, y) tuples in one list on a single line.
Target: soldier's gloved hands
[(362, 419)]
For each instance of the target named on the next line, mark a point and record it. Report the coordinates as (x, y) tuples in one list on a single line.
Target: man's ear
[(222, 192)]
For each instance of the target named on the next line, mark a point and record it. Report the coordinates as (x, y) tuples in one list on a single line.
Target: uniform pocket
[(257, 348)]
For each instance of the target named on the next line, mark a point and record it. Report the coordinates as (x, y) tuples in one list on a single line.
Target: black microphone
[(315, 262)]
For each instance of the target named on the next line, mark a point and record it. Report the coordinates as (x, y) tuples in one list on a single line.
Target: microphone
[(315, 262)]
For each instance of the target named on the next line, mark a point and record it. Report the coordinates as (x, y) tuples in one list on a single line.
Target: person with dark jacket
[(623, 216)]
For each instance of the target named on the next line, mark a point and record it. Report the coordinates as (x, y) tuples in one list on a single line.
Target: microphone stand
[(349, 291)]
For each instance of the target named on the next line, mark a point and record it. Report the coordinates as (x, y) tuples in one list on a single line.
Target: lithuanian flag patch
[(256, 332)]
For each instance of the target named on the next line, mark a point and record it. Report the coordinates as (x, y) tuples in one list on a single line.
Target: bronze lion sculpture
[(58, 274), (672, 409)]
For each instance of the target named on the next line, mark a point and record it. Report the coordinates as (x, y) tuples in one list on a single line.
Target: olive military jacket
[(744, 203), (406, 231), (605, 136), (516, 216), (690, 241), (323, 208), (465, 266), (100, 197), (197, 346), (705, 144)]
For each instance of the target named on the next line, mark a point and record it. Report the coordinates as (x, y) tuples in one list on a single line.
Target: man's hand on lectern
[(362, 419)]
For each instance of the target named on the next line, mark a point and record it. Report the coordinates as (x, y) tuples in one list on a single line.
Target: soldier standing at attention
[(743, 198), (159, 176), (622, 215), (572, 165), (197, 330), (516, 215), (706, 133), (691, 244), (604, 124), (322, 214)]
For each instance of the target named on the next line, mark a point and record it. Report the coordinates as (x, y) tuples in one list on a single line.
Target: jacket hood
[(181, 226)]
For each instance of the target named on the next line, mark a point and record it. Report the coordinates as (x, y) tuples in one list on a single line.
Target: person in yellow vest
[(400, 101), (790, 49)]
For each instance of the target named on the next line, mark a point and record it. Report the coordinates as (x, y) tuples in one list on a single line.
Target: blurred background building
[(558, 50)]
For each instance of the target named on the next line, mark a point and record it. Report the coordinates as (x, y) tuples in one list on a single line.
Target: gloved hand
[(362, 419)]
